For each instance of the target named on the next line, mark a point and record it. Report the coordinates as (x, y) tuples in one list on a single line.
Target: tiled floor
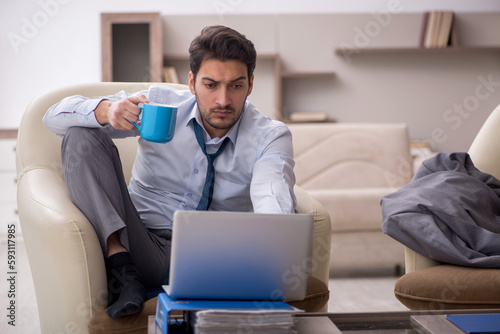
[(358, 294)]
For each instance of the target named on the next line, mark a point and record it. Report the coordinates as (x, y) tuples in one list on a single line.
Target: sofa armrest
[(415, 261), (321, 243), (63, 251)]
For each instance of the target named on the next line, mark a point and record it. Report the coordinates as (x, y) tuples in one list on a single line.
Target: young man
[(253, 168)]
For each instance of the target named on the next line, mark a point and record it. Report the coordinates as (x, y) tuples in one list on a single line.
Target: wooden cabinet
[(132, 47)]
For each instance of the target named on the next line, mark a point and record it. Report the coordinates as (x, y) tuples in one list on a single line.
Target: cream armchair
[(63, 250), (429, 284)]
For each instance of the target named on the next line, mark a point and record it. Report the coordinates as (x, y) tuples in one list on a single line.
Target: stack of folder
[(225, 316), (258, 321)]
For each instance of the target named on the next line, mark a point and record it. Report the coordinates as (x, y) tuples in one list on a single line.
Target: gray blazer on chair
[(449, 212)]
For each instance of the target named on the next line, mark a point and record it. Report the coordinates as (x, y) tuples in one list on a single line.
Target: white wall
[(47, 44)]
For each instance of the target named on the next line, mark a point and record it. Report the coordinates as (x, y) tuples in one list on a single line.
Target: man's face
[(221, 89)]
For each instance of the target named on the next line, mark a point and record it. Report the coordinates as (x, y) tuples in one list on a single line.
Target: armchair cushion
[(317, 296), (449, 287)]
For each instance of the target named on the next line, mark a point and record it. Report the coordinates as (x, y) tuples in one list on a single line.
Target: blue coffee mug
[(157, 122)]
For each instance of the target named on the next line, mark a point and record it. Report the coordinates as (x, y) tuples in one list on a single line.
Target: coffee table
[(404, 322)]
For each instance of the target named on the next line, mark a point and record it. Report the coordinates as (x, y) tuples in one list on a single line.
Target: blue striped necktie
[(208, 188)]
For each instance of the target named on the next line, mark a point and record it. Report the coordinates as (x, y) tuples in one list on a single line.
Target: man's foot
[(132, 297), (125, 287)]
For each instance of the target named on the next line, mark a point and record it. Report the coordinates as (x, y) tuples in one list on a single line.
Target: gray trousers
[(95, 181)]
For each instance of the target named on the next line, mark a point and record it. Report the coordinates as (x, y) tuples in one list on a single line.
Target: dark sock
[(125, 286), (114, 287)]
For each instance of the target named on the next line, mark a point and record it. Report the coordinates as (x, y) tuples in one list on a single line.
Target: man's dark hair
[(221, 43)]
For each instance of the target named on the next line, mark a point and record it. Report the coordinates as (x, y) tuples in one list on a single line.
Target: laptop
[(239, 256)]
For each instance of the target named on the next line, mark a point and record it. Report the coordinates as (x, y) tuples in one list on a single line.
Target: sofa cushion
[(449, 287), (317, 296)]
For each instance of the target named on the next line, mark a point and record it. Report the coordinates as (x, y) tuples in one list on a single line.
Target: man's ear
[(250, 86), (191, 82)]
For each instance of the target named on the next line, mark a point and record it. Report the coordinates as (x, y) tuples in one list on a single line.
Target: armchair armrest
[(321, 243), (415, 261), (64, 254)]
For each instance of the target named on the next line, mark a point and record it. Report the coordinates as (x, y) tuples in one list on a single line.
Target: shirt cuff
[(87, 109)]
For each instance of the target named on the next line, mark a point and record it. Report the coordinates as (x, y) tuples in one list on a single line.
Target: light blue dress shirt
[(254, 173)]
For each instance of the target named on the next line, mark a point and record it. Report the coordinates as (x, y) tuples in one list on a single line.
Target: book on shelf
[(170, 74), (445, 29), (436, 29), (308, 116), (423, 33), (434, 32)]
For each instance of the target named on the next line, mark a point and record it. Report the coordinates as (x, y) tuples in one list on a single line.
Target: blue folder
[(476, 323)]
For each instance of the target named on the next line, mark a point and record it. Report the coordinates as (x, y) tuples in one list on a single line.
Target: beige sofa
[(348, 167), (63, 251)]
